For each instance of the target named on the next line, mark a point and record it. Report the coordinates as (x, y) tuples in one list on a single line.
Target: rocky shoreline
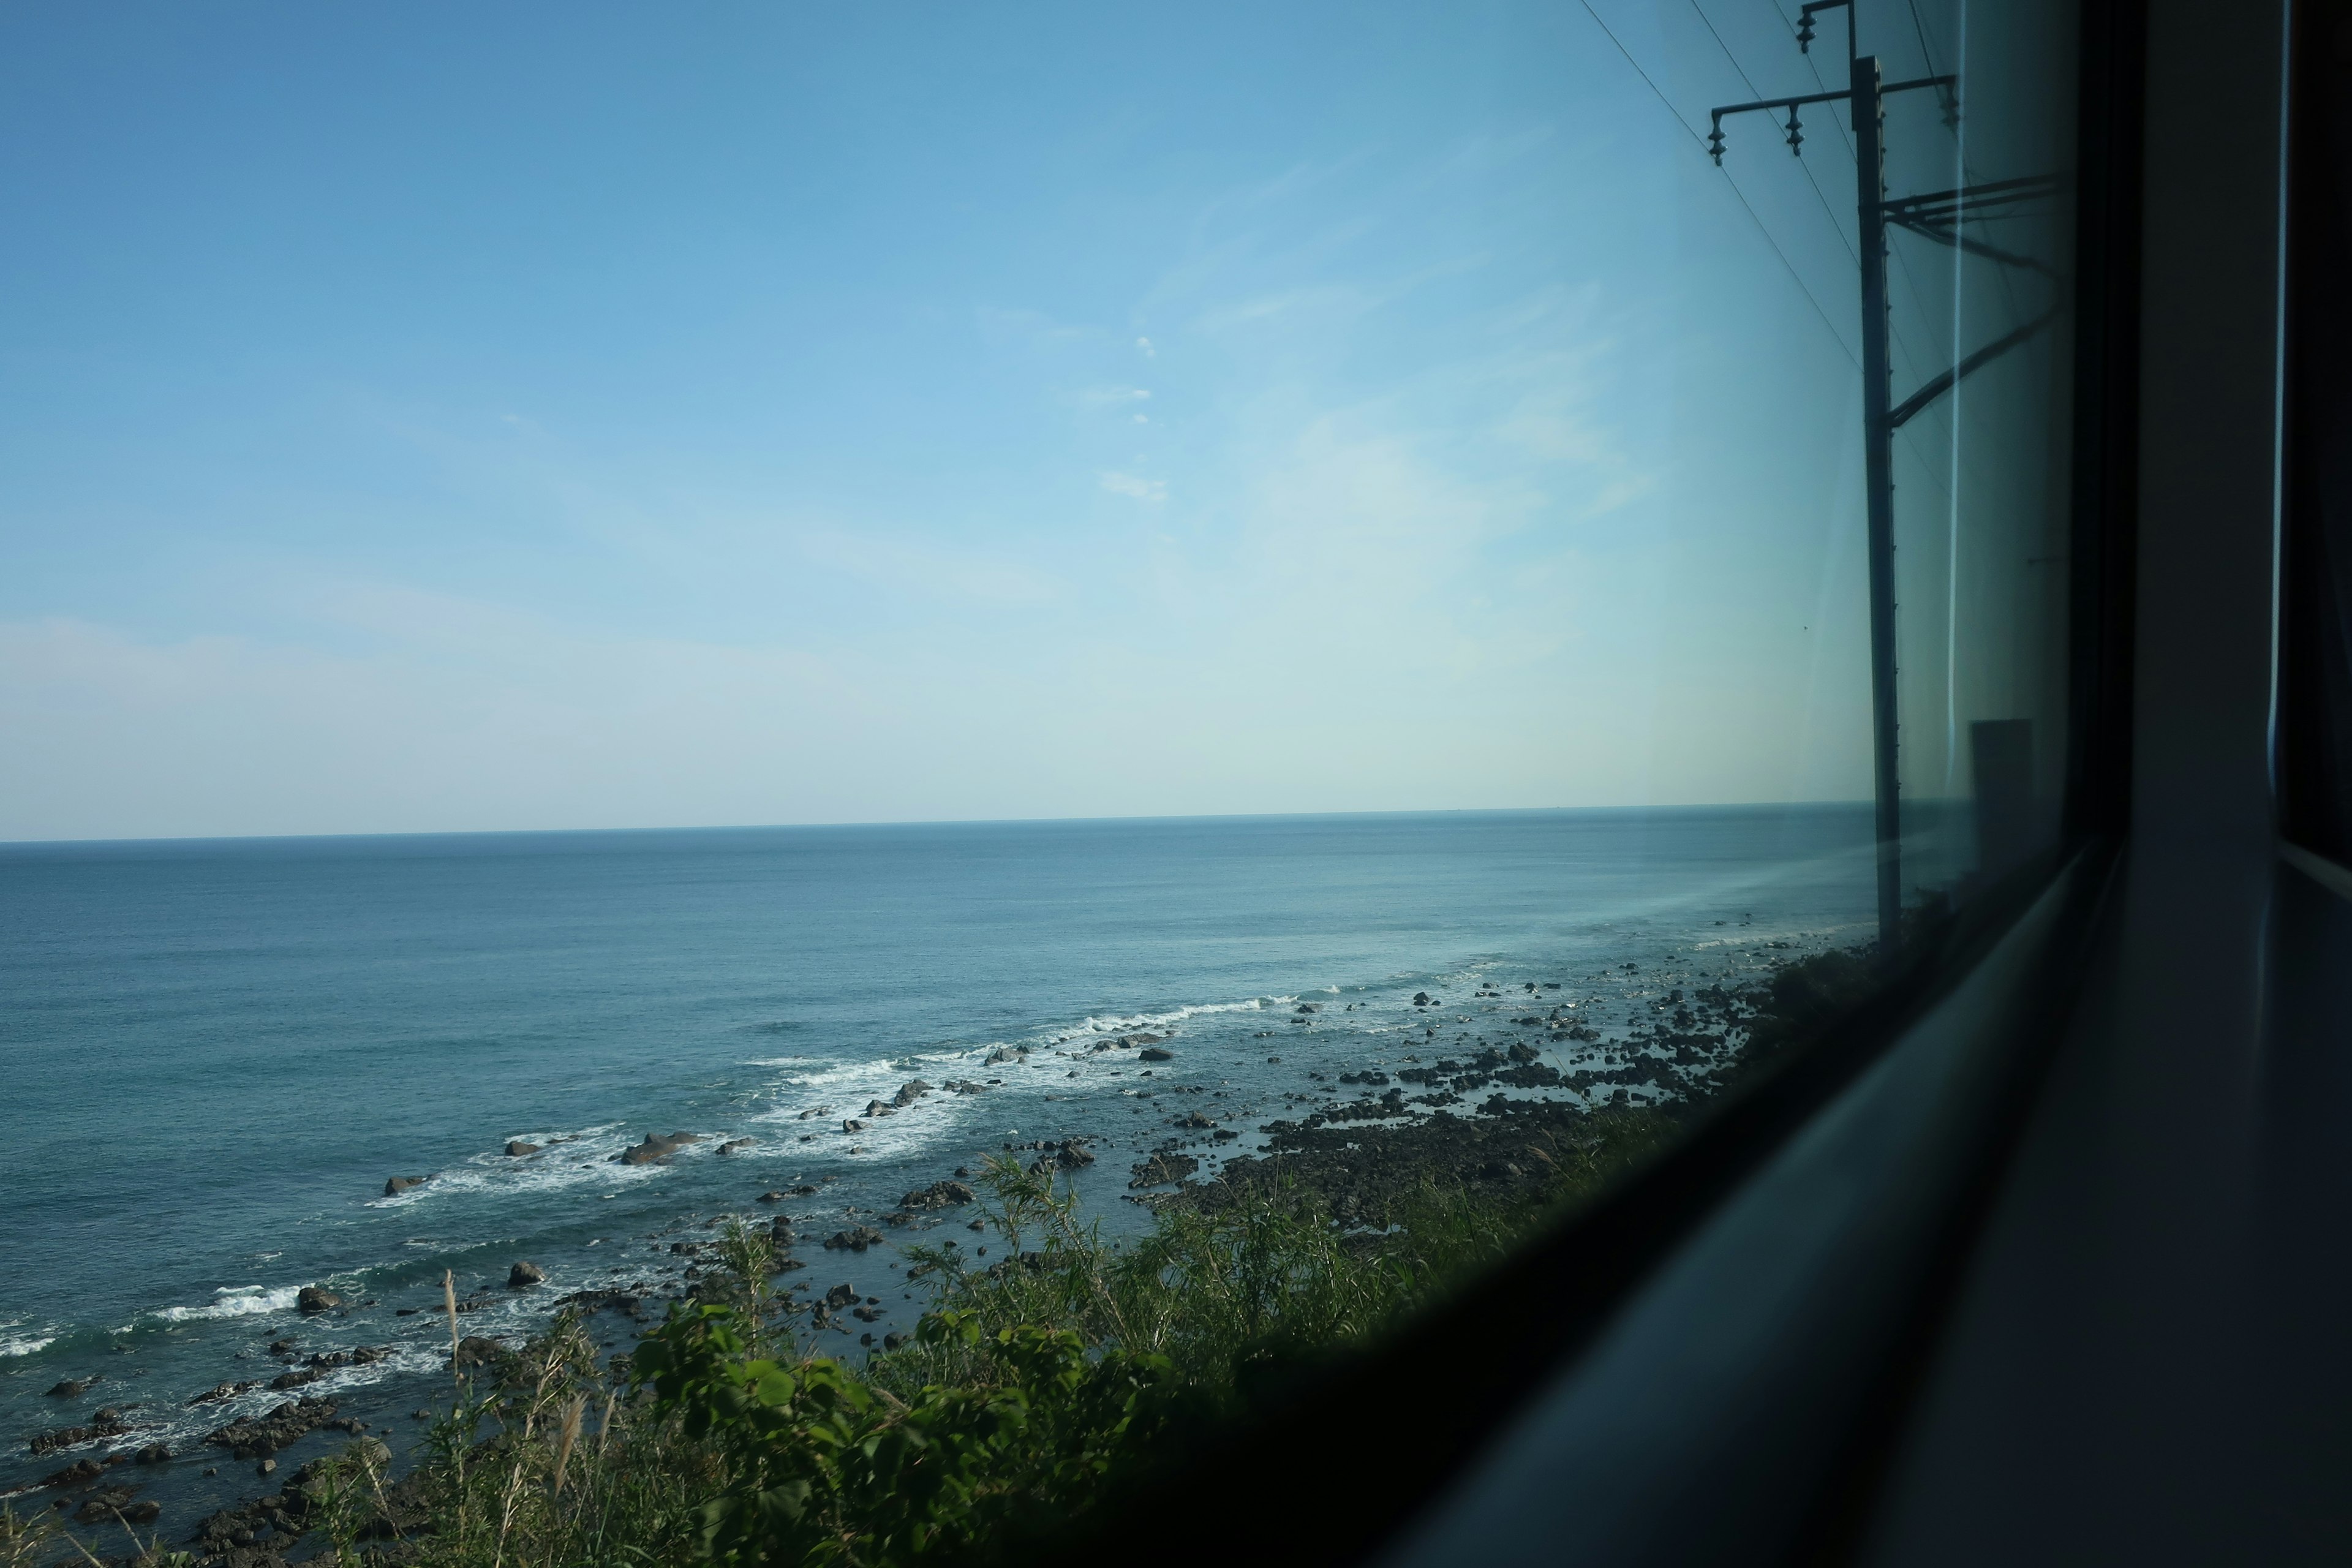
[(1496, 1120)]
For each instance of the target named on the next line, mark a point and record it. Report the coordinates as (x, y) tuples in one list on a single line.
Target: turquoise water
[(216, 1052)]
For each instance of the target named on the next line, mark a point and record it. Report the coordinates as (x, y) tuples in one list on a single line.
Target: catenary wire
[(1700, 142)]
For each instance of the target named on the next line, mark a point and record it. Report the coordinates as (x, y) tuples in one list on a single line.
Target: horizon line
[(9, 844)]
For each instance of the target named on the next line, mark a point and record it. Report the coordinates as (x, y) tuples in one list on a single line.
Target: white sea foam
[(24, 1344), (573, 1159), (237, 1301)]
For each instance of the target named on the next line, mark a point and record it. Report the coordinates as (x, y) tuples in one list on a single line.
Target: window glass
[(795, 776)]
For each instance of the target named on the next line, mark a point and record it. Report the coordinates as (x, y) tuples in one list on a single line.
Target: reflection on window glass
[(1364, 611)]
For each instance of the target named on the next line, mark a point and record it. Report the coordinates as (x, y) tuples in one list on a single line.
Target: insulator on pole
[(1795, 134), (1715, 143)]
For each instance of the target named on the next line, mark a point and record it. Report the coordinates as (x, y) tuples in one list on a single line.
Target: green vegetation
[(1033, 1387)]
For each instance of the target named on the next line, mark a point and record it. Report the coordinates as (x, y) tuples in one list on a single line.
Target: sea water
[(214, 1053)]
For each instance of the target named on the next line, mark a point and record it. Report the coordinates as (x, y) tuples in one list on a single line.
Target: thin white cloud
[(1120, 484)]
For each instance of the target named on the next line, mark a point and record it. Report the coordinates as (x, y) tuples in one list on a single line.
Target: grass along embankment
[(1036, 1385)]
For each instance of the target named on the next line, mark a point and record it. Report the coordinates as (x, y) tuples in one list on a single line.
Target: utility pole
[(1868, 101), (1937, 216)]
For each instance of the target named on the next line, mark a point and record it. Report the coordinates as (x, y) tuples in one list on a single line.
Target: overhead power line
[(1700, 142)]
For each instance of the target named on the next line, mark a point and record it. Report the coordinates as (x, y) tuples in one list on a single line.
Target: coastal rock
[(938, 1195), (296, 1378), (516, 1149), (1162, 1168), (523, 1276), (655, 1149), (258, 1437), (734, 1144), (73, 1387), (315, 1299), (476, 1351), (1156, 1054), (69, 1437), (1195, 1119), (103, 1506), (1421, 998), (841, 1296), (853, 1125), (780, 1233), (875, 1107), (772, 1197), (857, 1238), (153, 1454), (909, 1093), (75, 1474), (396, 1185), (221, 1391)]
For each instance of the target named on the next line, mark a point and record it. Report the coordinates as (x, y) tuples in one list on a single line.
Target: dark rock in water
[(909, 1093), (853, 1125), (655, 1148), (281, 1347), (296, 1379), (841, 1296), (1156, 1054), (867, 1314), (523, 1276), (734, 1144), (875, 1107), (314, 1299), (221, 1391), (105, 1424), (1421, 998), (772, 1197), (1523, 1052), (1162, 1168), (104, 1506), (517, 1148), (1195, 1119), (153, 1454), (1307, 1007), (396, 1185), (476, 1351), (73, 1387), (1225, 1135), (75, 1474), (938, 1195), (892, 1341), (258, 1437), (962, 1174), (857, 1238)]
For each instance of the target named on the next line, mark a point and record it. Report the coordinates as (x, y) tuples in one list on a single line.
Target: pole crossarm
[(1795, 128), (1900, 414)]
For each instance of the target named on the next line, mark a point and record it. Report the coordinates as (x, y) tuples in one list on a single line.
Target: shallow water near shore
[(217, 1052)]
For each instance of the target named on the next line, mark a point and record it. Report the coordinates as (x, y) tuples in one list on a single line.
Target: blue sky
[(440, 417)]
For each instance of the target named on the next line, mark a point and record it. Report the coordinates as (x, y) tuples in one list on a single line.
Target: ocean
[(215, 1052)]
